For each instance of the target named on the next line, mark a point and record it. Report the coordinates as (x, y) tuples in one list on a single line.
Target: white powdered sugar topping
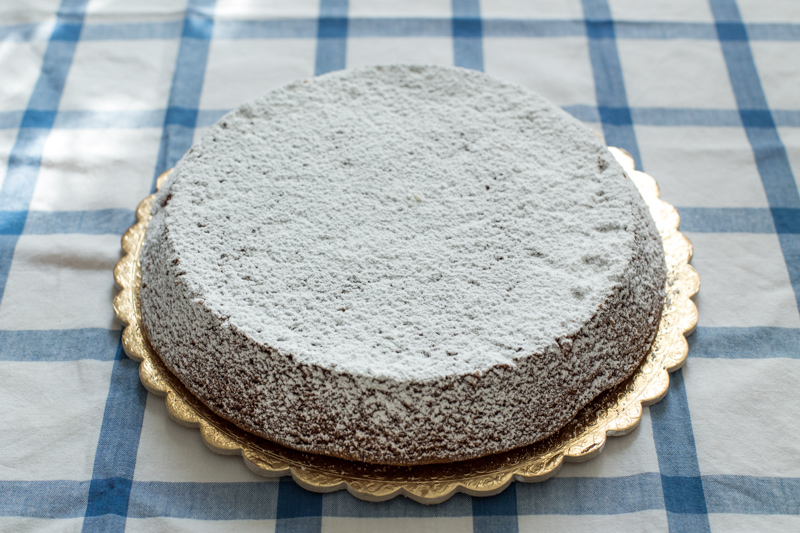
[(400, 265), (401, 223)]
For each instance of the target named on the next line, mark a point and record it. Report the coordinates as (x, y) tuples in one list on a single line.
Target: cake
[(400, 265)]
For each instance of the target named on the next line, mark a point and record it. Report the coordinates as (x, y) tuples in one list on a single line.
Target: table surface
[(98, 98)]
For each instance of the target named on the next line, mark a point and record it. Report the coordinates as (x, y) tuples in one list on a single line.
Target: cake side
[(314, 409), (455, 408)]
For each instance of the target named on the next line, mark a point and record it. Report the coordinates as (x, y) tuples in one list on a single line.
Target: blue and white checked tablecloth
[(97, 98)]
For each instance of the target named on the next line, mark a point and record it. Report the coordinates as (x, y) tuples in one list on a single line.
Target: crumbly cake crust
[(400, 265)]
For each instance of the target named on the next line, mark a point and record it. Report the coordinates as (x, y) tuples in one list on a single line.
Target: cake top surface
[(401, 222)]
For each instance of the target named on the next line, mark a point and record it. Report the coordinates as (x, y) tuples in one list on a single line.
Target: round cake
[(400, 265)]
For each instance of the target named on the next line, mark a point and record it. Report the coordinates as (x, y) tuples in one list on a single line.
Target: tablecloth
[(97, 98)]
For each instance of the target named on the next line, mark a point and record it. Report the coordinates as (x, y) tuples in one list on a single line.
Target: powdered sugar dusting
[(402, 223), (400, 265)]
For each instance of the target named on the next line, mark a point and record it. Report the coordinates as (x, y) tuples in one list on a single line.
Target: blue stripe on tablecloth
[(532, 29), (255, 500), (342, 504), (496, 514), (43, 499), (59, 345), (662, 116), (650, 116), (626, 29), (298, 509), (296, 28), (10, 120), (773, 32), (654, 30), (388, 27), (25, 157), (772, 161), (209, 117), (726, 220), (332, 32), (96, 222), (673, 413), (99, 222), (25, 32), (38, 119), (12, 222), (612, 99), (133, 31), (115, 456), (591, 496), (180, 118), (753, 495), (400, 27), (790, 246), (745, 343), (787, 221), (204, 501), (109, 119), (467, 34), (266, 29), (644, 116), (682, 486), (7, 245)]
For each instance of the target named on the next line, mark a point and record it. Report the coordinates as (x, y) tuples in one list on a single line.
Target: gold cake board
[(615, 412)]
